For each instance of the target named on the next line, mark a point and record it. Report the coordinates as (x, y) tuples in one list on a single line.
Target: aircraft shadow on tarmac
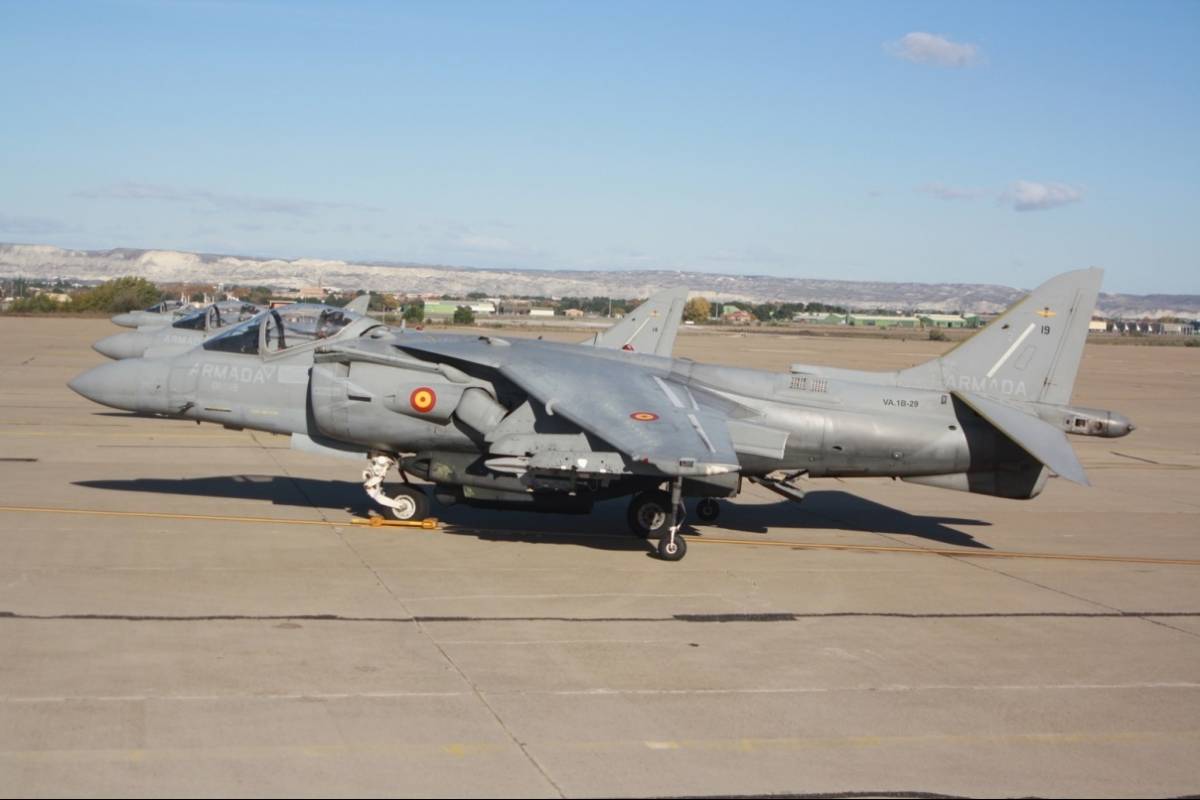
[(604, 528)]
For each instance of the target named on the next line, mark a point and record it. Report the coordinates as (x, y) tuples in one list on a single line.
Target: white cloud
[(929, 48), (1035, 196)]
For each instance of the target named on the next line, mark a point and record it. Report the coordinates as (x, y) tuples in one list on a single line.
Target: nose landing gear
[(408, 503)]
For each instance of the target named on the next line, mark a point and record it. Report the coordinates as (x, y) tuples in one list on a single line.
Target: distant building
[(881, 321), (541, 312), (515, 306), (736, 316), (573, 313), (943, 321), (441, 309), (484, 307), (817, 318)]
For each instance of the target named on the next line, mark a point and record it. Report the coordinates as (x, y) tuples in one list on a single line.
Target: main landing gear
[(708, 509), (660, 514), (409, 502)]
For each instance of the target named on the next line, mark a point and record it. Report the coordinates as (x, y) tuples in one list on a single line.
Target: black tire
[(414, 504), (649, 514), (708, 509), (672, 552)]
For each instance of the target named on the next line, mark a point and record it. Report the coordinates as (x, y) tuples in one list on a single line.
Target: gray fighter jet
[(162, 313), (191, 330), (179, 336), (529, 424)]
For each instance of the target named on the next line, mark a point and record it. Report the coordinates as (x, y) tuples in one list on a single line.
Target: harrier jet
[(158, 314), (178, 336), (511, 423), (192, 329)]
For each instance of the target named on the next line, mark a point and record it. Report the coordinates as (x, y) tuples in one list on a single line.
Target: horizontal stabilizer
[(1041, 440)]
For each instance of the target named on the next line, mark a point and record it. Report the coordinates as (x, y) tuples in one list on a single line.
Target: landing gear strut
[(672, 546), (659, 514), (409, 502)]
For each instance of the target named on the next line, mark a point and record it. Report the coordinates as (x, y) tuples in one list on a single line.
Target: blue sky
[(978, 142)]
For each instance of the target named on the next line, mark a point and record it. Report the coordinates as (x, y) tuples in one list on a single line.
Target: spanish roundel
[(643, 416), (423, 399)]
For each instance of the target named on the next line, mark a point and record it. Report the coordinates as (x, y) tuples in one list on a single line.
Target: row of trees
[(698, 309), (113, 297)]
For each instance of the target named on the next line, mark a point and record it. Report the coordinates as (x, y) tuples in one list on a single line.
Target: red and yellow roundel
[(643, 416), (423, 399)]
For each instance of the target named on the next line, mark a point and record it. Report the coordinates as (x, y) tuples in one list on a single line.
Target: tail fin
[(359, 304), (649, 328), (1032, 350)]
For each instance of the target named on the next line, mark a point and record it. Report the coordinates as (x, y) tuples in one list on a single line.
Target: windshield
[(218, 315), (193, 321), (238, 339)]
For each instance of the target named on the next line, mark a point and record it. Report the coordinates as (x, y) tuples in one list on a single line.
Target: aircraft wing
[(649, 328), (1041, 440), (649, 419)]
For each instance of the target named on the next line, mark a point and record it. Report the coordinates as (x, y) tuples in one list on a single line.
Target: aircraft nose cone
[(126, 320), (120, 345), (134, 384), (114, 385)]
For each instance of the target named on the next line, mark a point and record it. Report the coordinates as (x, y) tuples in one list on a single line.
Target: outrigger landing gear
[(672, 546), (409, 502)]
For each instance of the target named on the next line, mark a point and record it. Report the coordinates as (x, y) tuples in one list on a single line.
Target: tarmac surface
[(222, 628)]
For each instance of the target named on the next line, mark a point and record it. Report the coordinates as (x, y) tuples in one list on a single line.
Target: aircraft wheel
[(708, 510), (649, 514), (672, 551), (411, 503)]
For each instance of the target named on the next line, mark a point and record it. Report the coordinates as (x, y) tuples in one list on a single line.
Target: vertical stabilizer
[(360, 304), (649, 328), (1031, 351)]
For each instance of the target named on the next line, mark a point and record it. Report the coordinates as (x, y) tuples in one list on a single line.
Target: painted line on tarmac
[(701, 539), (595, 692), (753, 616), (461, 749)]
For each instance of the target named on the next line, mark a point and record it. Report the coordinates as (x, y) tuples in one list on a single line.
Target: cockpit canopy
[(166, 306), (283, 328), (217, 315)]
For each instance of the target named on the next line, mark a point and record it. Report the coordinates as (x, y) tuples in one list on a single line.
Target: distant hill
[(164, 266)]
